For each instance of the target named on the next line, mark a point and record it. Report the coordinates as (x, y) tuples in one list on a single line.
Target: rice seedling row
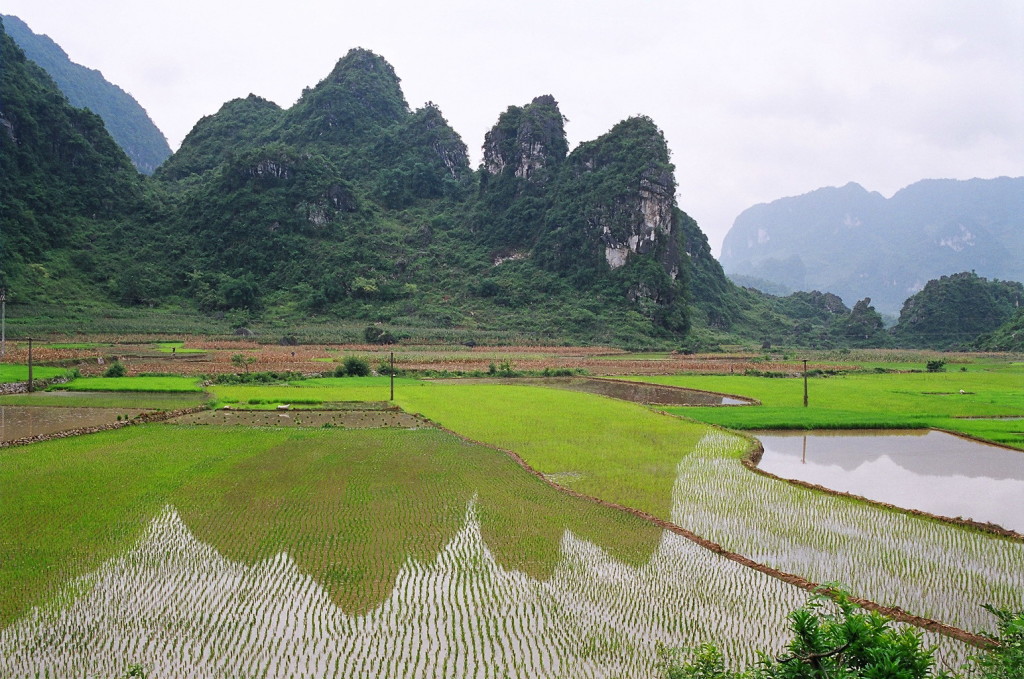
[(887, 556), (923, 566), (265, 553)]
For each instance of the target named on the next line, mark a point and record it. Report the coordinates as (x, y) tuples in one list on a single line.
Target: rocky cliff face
[(652, 222), (632, 193), (526, 139)]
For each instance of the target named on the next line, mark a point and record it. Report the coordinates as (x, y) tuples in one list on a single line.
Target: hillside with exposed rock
[(352, 205)]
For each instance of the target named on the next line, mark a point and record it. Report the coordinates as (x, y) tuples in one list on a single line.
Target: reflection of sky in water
[(931, 471)]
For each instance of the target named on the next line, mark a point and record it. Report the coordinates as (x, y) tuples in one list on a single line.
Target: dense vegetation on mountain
[(952, 311), (856, 243), (63, 181), (1007, 337), (127, 122), (347, 204), (351, 205)]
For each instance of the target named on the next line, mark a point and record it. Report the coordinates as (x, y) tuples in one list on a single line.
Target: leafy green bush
[(1006, 660), (835, 638), (115, 370), (256, 378), (353, 366)]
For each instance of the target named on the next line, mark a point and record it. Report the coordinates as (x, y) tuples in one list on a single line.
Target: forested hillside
[(952, 311), (65, 186), (353, 205), (125, 119)]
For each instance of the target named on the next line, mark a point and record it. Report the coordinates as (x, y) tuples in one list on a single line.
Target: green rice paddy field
[(12, 372), (873, 401), (253, 552), (212, 551)]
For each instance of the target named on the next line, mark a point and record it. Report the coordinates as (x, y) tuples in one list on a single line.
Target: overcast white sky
[(758, 99)]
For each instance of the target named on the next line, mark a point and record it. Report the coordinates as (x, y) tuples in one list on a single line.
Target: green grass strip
[(312, 392), (870, 401), (12, 372), (177, 348), (164, 384)]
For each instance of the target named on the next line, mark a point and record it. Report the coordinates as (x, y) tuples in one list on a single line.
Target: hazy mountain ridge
[(352, 205), (125, 119), (857, 243)]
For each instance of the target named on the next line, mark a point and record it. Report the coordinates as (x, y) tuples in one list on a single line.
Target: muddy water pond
[(931, 471), (17, 422)]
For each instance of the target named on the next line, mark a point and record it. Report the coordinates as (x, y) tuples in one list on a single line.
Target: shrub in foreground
[(838, 639)]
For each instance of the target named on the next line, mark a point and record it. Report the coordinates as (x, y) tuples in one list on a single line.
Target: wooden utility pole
[(30, 364), (3, 322), (805, 383), (392, 376)]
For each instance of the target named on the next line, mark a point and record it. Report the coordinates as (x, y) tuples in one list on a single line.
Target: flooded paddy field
[(295, 543), (693, 477), (934, 569), (18, 422), (231, 551), (931, 471)]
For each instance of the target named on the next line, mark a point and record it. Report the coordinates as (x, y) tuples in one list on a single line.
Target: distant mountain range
[(352, 205), (125, 119), (856, 243)]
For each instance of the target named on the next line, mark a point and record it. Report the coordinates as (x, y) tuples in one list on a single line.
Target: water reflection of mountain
[(924, 453), (352, 509), (181, 608)]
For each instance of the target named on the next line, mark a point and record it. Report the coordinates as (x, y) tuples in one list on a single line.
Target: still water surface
[(931, 471), (18, 422)]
